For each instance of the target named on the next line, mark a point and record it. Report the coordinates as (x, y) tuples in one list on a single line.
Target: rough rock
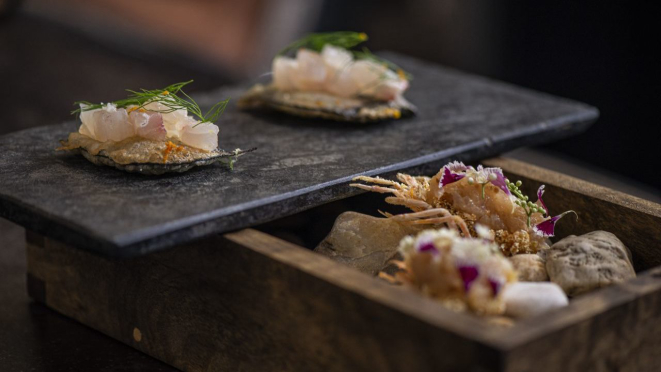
[(363, 242), (579, 264), (530, 267), (526, 299)]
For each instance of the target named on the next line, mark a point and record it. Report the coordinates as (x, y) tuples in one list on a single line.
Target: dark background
[(54, 52), (604, 53)]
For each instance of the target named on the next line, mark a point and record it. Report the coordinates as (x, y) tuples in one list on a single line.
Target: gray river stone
[(582, 263)]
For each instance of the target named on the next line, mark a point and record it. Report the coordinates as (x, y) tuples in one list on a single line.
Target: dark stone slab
[(299, 164)]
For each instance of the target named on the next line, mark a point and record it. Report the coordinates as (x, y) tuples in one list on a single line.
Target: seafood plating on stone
[(326, 79), (150, 132)]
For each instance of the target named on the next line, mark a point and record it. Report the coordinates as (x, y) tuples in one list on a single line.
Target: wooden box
[(250, 301)]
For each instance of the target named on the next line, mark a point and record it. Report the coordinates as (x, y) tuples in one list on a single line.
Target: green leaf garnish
[(172, 97), (342, 39), (316, 42)]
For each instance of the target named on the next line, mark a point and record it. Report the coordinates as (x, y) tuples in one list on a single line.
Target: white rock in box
[(526, 299), (529, 267), (579, 264)]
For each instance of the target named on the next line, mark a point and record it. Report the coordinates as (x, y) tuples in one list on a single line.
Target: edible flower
[(546, 228), (456, 171), (540, 192), (468, 275)]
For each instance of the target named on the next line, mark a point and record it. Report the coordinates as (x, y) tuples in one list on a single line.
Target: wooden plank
[(616, 328), (253, 302)]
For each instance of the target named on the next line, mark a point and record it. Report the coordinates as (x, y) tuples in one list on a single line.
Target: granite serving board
[(298, 163)]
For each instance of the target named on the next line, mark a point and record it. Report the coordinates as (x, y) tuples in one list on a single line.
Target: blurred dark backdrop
[(599, 52), (53, 52)]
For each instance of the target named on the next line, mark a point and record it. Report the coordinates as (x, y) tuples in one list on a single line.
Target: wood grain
[(250, 301), (614, 329)]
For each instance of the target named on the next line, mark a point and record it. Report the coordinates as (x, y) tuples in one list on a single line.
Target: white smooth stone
[(526, 299)]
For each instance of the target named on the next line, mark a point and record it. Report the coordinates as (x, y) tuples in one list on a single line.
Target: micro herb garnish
[(316, 42), (342, 39), (172, 97), (522, 200)]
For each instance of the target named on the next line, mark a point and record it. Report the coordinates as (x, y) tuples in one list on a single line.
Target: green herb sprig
[(522, 200), (316, 42), (342, 39), (172, 97)]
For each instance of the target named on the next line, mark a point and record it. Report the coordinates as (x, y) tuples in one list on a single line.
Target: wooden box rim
[(502, 339)]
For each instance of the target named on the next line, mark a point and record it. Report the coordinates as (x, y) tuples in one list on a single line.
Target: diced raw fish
[(174, 121), (112, 125), (389, 89), (202, 136), (149, 126), (367, 75), (336, 59), (284, 69), (342, 84), (139, 119), (87, 128), (311, 74)]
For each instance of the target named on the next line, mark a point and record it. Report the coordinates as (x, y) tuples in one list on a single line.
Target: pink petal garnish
[(428, 247), (540, 192), (495, 286), (456, 166), (450, 176), (546, 228), (500, 179), (468, 274)]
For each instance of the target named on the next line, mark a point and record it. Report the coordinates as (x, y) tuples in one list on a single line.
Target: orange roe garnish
[(169, 146), (133, 108), (401, 74), (165, 93)]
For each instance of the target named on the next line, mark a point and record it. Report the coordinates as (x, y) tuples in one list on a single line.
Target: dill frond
[(172, 97)]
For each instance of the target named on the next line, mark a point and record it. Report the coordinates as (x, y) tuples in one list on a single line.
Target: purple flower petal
[(496, 285), (427, 247), (450, 177), (456, 166), (540, 192), (546, 228), (499, 180), (468, 274)]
